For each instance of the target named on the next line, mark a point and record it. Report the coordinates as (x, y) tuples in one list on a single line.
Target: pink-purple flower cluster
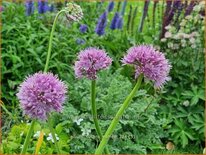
[(150, 62), (41, 94), (90, 61)]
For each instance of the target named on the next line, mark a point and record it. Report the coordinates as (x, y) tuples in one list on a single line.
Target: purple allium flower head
[(90, 61), (43, 6), (119, 23), (150, 62), (83, 28), (29, 7), (102, 23), (40, 94), (114, 21), (110, 6)]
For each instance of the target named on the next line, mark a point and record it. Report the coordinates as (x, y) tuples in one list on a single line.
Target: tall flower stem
[(53, 135), (94, 112), (119, 114), (28, 137), (46, 69), (50, 40)]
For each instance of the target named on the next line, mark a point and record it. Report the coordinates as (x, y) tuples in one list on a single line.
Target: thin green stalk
[(28, 137), (116, 119), (5, 109), (50, 40), (46, 69), (53, 135), (94, 112)]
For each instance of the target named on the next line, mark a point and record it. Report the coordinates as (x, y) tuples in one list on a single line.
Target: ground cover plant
[(105, 77)]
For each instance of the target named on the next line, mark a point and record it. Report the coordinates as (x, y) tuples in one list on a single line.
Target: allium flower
[(90, 61), (29, 7), (43, 6), (74, 12), (114, 21), (40, 94), (150, 62), (83, 28), (110, 6), (102, 23)]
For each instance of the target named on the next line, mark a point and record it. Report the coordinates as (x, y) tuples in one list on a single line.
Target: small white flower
[(194, 34), (197, 8), (163, 40), (183, 23), (85, 132), (183, 42), (168, 27), (192, 40), (168, 35), (51, 138), (186, 103), (78, 121), (170, 45), (37, 134), (188, 17), (186, 36)]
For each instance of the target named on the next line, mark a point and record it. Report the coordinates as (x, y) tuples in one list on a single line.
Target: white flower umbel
[(73, 12)]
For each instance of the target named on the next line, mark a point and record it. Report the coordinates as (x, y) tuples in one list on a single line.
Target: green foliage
[(15, 139), (138, 127)]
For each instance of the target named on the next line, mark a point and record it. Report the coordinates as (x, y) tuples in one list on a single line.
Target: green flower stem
[(94, 112), (53, 135), (119, 114), (50, 40), (28, 137), (46, 69)]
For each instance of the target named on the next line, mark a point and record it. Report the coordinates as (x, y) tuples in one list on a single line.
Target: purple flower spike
[(29, 7), (114, 21), (110, 6), (41, 94), (150, 62), (101, 25), (83, 28), (43, 6), (90, 61), (119, 23)]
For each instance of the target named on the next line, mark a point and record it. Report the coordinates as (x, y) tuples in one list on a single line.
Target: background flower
[(102, 23), (41, 93), (114, 21), (83, 28), (110, 6), (29, 7), (90, 61)]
